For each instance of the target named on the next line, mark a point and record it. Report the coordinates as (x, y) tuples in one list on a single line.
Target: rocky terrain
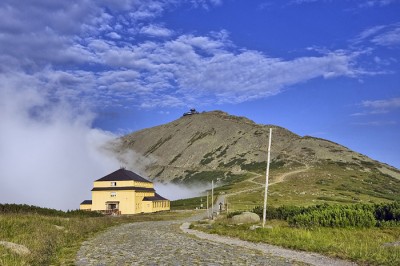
[(219, 141), (218, 146)]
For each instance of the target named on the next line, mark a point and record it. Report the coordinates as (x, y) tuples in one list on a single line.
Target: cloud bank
[(109, 53), (49, 156)]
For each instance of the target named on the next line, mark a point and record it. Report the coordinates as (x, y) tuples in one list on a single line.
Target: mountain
[(218, 146)]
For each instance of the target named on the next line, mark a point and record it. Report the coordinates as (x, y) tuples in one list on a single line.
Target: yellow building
[(124, 192)]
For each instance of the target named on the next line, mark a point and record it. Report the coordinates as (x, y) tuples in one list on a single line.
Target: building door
[(112, 205)]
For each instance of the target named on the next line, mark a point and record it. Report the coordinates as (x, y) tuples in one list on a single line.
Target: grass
[(189, 204), (362, 245), (58, 245), (326, 183)]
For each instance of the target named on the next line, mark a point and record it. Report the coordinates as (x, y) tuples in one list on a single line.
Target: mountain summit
[(216, 145)]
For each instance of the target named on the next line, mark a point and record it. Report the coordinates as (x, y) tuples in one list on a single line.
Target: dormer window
[(113, 184)]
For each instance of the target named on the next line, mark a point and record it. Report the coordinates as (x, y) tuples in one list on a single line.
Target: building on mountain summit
[(124, 192)]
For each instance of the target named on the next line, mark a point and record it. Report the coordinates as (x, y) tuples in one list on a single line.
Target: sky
[(76, 74)]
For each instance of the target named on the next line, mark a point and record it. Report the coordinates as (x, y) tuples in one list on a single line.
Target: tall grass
[(54, 239), (362, 245)]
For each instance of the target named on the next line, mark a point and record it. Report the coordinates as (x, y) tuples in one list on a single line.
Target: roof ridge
[(123, 175)]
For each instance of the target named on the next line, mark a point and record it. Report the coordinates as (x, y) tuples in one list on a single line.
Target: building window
[(113, 184), (113, 194)]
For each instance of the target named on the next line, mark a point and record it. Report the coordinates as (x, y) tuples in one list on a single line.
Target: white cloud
[(114, 35), (376, 3), (376, 107), (377, 123), (390, 38), (383, 35), (49, 155), (72, 60), (156, 31), (206, 4), (392, 103)]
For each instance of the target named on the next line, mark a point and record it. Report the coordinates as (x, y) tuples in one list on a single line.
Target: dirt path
[(280, 178)]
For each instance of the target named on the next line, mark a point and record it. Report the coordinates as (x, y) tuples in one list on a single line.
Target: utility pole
[(212, 199), (208, 213), (266, 178), (226, 203)]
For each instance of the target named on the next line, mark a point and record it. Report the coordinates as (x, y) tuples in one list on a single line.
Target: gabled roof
[(155, 198), (123, 175), (86, 202)]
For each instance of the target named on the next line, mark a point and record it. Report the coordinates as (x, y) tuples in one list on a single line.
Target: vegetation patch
[(258, 167), (54, 237), (208, 158), (175, 158), (358, 232), (234, 161), (203, 177), (159, 173), (355, 215), (365, 246), (223, 152), (200, 135), (159, 143), (189, 204)]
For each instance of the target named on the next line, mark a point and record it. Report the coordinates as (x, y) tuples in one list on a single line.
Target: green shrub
[(335, 216), (231, 214), (30, 209), (357, 215)]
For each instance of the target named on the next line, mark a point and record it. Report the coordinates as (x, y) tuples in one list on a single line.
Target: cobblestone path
[(163, 243)]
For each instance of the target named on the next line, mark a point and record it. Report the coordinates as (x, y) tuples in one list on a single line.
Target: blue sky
[(323, 68)]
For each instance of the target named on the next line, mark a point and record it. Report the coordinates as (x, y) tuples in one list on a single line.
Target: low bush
[(30, 209), (335, 216), (357, 215)]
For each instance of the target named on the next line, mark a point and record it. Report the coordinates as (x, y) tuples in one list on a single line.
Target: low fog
[(50, 154)]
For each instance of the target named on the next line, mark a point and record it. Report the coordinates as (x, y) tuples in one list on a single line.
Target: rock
[(392, 244), (254, 227), (19, 249), (246, 217)]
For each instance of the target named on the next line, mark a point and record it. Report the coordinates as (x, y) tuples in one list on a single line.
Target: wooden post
[(266, 178)]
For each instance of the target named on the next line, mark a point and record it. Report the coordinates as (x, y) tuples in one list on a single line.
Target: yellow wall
[(161, 205), (143, 184), (126, 199), (108, 183), (130, 201), (147, 206), (85, 207), (129, 183)]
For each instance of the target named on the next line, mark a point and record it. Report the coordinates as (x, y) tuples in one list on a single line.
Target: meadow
[(54, 237), (368, 234)]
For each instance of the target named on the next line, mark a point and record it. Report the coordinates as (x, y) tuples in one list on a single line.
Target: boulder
[(246, 217), (16, 248)]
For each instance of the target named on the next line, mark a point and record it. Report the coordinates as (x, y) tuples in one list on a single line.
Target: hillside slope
[(219, 146)]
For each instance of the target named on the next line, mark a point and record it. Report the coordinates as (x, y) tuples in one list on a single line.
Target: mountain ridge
[(217, 146)]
